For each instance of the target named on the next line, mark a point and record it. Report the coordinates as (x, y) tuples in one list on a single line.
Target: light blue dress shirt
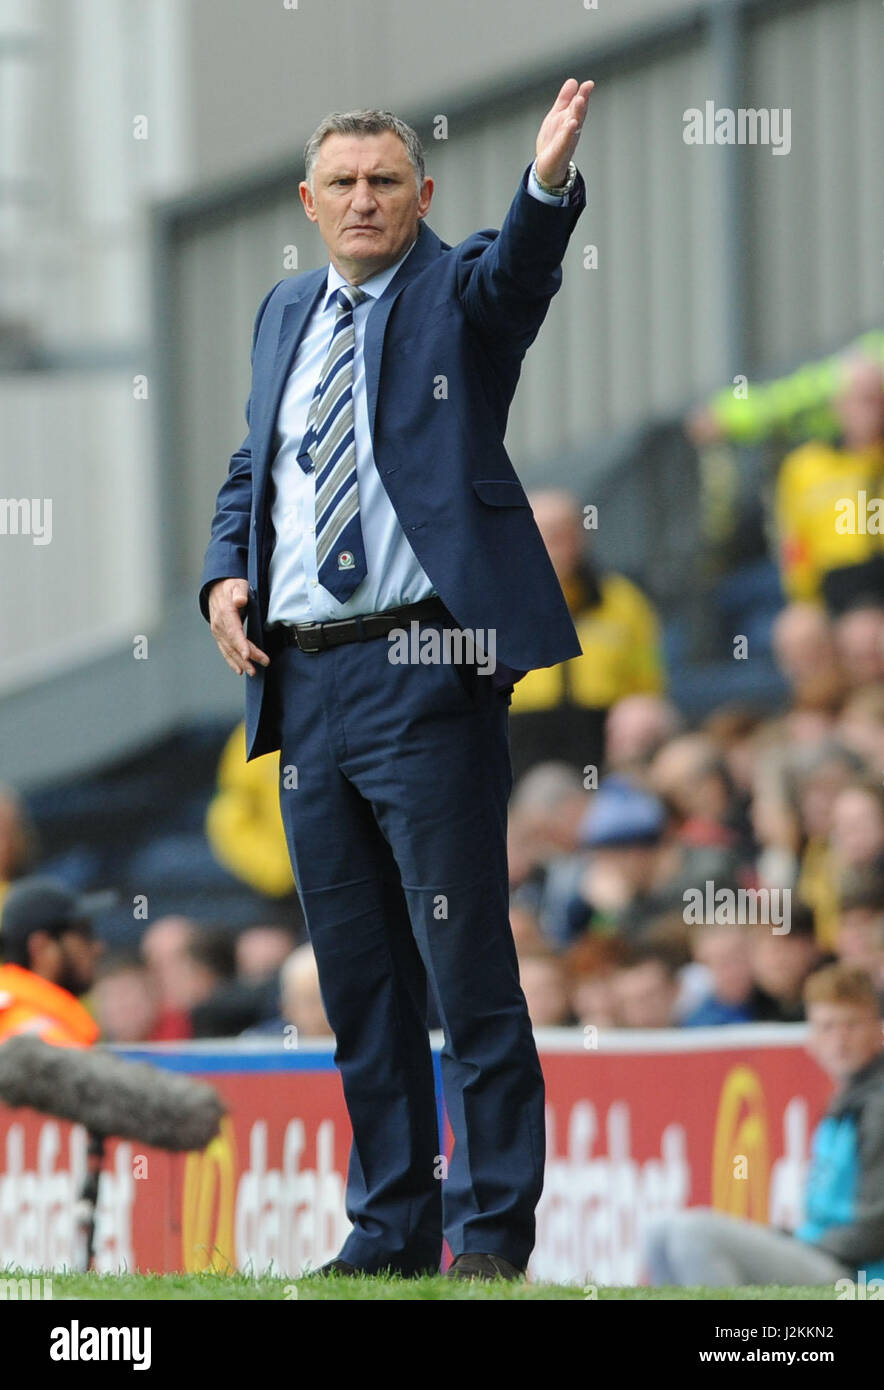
[(394, 576)]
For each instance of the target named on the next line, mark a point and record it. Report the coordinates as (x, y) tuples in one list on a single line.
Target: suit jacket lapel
[(293, 320), (422, 254)]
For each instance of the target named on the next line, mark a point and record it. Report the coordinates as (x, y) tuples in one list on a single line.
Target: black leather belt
[(316, 637)]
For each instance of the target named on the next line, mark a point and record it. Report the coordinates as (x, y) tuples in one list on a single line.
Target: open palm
[(558, 135)]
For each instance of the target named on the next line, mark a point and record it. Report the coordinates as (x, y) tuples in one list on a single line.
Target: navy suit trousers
[(397, 833)]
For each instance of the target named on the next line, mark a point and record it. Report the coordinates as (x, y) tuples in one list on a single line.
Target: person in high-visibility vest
[(49, 955), (799, 406)]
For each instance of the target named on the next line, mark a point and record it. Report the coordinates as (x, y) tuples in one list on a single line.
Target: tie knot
[(348, 297)]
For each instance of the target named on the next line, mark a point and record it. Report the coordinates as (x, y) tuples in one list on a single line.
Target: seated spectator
[(261, 951), (125, 999), (734, 731), (856, 835), (549, 804), (302, 1002), (711, 837), (646, 988), (670, 933), (545, 984), (821, 773), (593, 962), (860, 936), (859, 634), (806, 653), (861, 725), (782, 962), (619, 887), (636, 728), (164, 948), (559, 711), (546, 812), (774, 817), (527, 935), (49, 959), (843, 1231), (193, 969), (301, 1014), (220, 1006), (734, 996)]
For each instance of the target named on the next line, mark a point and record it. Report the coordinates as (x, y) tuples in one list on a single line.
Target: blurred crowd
[(621, 813), (785, 807), (192, 981)]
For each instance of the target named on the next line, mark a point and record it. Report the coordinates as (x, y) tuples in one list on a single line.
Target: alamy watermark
[(861, 1288), (859, 516), (27, 516), (738, 907), (34, 1288), (447, 646), (84, 1343), (746, 126)]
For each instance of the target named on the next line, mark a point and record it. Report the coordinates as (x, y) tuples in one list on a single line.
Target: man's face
[(817, 796), (546, 991), (725, 953), (782, 963), (126, 1006), (843, 1037), (365, 201), (78, 953), (861, 939), (645, 996), (860, 637), (857, 830), (559, 522), (860, 405)]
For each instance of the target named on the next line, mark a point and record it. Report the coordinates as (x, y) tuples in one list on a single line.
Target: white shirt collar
[(374, 285)]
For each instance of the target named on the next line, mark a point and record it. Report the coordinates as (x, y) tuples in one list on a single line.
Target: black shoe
[(339, 1267), (473, 1266), (345, 1269)]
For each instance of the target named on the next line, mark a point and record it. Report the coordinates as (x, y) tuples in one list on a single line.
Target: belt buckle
[(311, 628)]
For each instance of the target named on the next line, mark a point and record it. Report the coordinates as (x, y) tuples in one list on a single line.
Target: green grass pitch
[(228, 1287)]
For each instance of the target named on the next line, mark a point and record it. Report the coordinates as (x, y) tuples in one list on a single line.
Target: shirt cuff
[(540, 194)]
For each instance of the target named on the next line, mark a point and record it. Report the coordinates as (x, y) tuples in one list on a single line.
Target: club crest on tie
[(346, 560)]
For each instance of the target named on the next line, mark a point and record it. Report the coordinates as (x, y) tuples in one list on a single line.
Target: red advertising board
[(640, 1124)]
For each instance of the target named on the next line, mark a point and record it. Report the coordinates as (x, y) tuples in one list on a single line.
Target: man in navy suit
[(371, 502)]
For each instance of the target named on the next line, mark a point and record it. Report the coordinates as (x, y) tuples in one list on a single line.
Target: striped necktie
[(329, 447)]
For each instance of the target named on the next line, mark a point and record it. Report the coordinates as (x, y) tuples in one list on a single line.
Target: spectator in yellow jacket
[(558, 712), (243, 824), (829, 500)]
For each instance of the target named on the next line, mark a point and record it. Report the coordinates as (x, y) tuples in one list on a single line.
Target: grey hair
[(366, 122)]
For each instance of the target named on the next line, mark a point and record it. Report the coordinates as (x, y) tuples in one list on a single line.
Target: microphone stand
[(89, 1197)]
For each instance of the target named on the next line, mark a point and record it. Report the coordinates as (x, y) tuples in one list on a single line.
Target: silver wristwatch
[(564, 188)]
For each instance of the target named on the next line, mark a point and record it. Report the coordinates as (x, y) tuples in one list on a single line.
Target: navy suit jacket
[(468, 313)]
